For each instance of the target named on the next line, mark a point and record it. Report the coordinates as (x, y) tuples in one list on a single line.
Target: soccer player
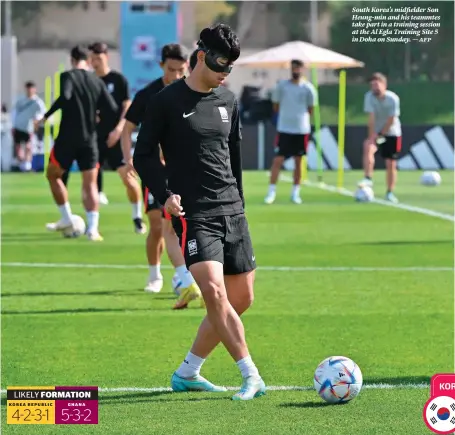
[(196, 121), (27, 110), (173, 63), (109, 130), (384, 132), (82, 94), (293, 100)]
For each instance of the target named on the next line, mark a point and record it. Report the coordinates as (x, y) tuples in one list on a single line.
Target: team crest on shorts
[(192, 247), (439, 411), (150, 199)]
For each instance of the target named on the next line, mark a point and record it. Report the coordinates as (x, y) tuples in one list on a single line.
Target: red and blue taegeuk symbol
[(443, 414)]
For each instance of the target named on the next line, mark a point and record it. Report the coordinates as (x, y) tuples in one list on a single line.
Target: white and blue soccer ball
[(364, 193), (338, 379), (77, 230), (176, 285), (430, 178)]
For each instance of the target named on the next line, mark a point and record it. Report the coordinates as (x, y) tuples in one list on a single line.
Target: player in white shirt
[(384, 132), (293, 99), (27, 110)]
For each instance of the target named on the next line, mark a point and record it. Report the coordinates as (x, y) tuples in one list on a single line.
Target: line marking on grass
[(261, 268), (271, 388), (346, 192)]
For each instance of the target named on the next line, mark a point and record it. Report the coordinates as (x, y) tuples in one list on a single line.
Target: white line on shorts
[(261, 268), (367, 386), (346, 192)]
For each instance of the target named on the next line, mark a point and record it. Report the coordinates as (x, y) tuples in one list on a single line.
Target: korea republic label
[(52, 405)]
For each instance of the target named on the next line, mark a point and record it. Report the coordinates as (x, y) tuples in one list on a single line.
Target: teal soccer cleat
[(197, 383), (252, 387)]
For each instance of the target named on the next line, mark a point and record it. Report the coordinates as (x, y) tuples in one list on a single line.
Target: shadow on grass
[(406, 242), (309, 404), (134, 292), (107, 399), (85, 311)]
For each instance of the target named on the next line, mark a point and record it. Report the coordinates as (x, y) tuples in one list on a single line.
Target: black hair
[(221, 39), (193, 59), (296, 62), (98, 48), (174, 51), (30, 84), (79, 53)]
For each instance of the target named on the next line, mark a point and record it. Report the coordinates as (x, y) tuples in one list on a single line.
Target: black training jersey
[(82, 95), (200, 135), (117, 86), (136, 111)]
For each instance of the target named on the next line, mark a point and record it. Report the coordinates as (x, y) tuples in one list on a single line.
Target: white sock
[(154, 272), (190, 367), (272, 189), (93, 218), (296, 190), (65, 211), (247, 367), (137, 210), (185, 276)]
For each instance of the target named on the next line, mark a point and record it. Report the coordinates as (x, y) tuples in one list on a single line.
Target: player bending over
[(384, 132), (293, 99), (196, 121), (173, 63), (82, 94), (109, 130)]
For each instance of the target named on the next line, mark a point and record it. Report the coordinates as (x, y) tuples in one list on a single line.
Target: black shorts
[(113, 155), (64, 153), (291, 145), (21, 137), (391, 148), (225, 239), (151, 203)]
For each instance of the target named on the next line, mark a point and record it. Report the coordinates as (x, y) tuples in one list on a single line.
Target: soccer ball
[(176, 285), (338, 379), (364, 194), (77, 230), (430, 178)]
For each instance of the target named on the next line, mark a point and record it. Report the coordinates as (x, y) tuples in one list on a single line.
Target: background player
[(27, 110), (174, 64), (109, 130), (384, 132), (82, 94), (293, 100), (197, 123)]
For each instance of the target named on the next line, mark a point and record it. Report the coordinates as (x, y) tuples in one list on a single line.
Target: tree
[(295, 16)]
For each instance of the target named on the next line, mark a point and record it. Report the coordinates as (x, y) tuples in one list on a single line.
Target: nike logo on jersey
[(189, 114)]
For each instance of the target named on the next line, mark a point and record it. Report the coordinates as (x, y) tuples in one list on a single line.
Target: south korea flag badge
[(439, 414)]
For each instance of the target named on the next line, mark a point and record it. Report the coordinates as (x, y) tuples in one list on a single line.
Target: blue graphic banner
[(144, 28)]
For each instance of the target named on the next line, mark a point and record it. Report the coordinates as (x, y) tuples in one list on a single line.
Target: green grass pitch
[(95, 326)]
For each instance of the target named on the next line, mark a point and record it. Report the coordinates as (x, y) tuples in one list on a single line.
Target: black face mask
[(216, 62), (296, 75)]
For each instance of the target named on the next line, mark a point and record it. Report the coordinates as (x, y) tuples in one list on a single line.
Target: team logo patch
[(150, 199), (224, 114), (192, 247), (110, 87)]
